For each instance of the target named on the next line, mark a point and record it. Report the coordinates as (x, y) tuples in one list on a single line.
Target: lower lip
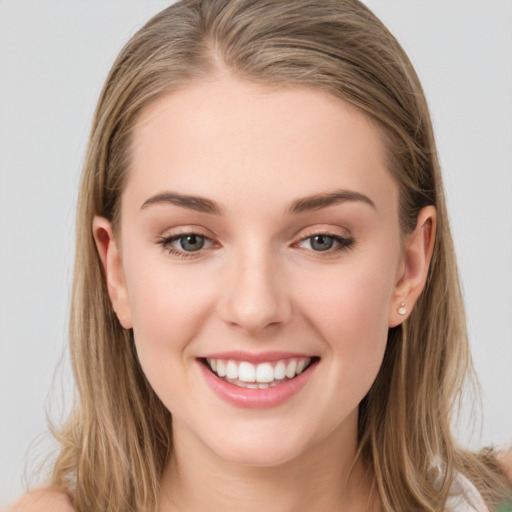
[(256, 398)]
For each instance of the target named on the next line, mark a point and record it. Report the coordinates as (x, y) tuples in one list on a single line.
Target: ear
[(418, 249), (112, 264)]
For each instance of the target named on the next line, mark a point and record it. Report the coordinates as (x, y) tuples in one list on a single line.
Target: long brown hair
[(118, 436)]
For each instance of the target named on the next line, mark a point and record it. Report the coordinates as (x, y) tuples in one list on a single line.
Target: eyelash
[(343, 243)]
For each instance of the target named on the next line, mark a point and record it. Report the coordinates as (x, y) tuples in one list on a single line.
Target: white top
[(464, 497)]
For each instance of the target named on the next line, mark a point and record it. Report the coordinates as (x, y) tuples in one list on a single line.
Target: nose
[(256, 298)]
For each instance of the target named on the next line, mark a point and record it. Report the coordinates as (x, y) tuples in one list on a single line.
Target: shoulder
[(43, 500)]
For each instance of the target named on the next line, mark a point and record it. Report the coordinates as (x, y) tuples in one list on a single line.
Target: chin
[(259, 458), (262, 451)]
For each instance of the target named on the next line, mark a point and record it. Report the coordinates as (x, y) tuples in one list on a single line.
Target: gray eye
[(191, 242), (322, 242)]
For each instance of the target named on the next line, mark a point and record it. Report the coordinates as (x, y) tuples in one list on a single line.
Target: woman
[(266, 310)]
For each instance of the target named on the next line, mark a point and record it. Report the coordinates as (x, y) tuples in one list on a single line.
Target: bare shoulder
[(43, 500)]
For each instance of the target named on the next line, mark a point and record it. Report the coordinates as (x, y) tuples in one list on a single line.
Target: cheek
[(350, 314), (354, 300), (168, 308), (354, 320)]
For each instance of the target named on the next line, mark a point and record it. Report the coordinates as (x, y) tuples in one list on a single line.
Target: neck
[(328, 477)]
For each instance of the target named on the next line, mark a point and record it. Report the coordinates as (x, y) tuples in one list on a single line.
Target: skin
[(48, 499), (259, 285)]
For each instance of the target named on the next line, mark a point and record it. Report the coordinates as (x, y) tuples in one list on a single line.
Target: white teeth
[(246, 372), (232, 370), (221, 368), (280, 371), (260, 376), (290, 369), (264, 373)]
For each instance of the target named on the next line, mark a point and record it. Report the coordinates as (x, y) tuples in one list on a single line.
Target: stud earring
[(401, 310)]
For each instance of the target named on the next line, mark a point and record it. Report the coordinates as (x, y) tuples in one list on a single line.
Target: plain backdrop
[(54, 56)]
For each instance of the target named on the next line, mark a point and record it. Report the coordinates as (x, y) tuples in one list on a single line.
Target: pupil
[(322, 242), (192, 242)]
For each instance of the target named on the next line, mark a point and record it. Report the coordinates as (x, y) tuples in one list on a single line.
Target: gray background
[(54, 56)]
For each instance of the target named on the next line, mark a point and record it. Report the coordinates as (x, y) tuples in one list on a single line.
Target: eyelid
[(308, 232), (344, 242), (166, 242)]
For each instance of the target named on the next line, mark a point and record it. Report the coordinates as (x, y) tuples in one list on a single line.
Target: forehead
[(237, 140)]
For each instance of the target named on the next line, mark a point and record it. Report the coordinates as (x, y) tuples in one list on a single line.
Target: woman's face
[(259, 236)]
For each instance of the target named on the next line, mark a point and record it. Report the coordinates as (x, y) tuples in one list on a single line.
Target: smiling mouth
[(259, 376)]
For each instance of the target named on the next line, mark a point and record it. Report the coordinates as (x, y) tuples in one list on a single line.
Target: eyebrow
[(197, 203), (319, 201), (301, 205)]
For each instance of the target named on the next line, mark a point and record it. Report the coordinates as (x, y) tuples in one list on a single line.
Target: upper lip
[(252, 357)]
